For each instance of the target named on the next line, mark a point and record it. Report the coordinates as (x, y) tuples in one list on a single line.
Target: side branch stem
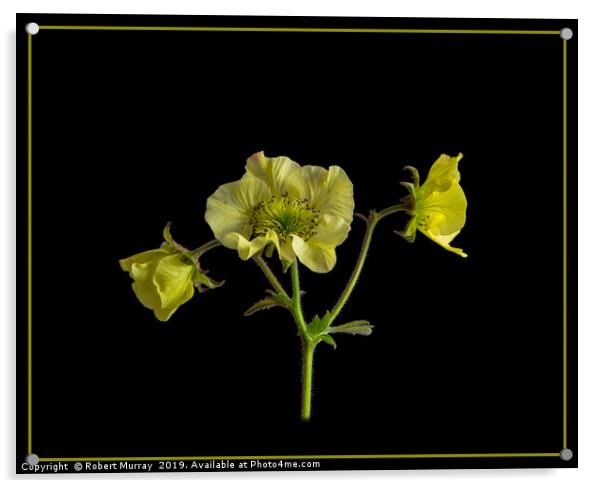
[(269, 274), (199, 251), (373, 219)]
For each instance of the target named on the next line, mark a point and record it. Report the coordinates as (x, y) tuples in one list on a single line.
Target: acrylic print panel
[(148, 362)]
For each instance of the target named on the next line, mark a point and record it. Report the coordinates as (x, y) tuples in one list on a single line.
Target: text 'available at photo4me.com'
[(167, 466)]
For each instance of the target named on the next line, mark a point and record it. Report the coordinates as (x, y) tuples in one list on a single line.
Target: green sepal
[(328, 340), (200, 277), (171, 244), (167, 235), (318, 325), (409, 201), (409, 232), (269, 250), (286, 265), (355, 327), (167, 247), (204, 279), (414, 174)]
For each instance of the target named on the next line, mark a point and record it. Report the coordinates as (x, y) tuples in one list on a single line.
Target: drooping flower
[(438, 207), (165, 278), (302, 212)]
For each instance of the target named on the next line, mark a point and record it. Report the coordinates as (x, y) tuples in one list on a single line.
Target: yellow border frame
[(291, 29)]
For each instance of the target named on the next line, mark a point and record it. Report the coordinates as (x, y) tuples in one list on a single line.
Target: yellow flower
[(165, 278), (438, 207), (301, 211)]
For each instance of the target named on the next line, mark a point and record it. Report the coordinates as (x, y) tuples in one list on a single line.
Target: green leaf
[(282, 299), (263, 304), (355, 327), (363, 330), (328, 340)]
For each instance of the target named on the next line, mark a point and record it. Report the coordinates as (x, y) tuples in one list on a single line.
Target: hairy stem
[(308, 360), (361, 259), (373, 219), (199, 251), (385, 212), (307, 344), (296, 310), (269, 274)]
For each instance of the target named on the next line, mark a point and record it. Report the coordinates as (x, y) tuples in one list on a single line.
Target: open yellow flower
[(301, 211), (438, 207)]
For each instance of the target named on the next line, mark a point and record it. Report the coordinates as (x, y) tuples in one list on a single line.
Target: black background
[(134, 129)]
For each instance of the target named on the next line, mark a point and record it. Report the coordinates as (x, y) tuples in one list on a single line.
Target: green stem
[(296, 310), (371, 224), (270, 276), (385, 212), (373, 219), (308, 359), (307, 344), (199, 251)]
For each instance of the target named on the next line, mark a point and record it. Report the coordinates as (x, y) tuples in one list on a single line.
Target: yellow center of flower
[(285, 216)]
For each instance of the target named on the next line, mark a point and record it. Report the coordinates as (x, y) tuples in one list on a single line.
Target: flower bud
[(165, 278)]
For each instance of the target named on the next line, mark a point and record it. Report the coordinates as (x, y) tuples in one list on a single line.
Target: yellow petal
[(173, 279), (318, 259), (286, 251), (443, 213), (441, 175), (274, 172), (143, 285), (229, 208), (444, 241), (140, 258), (145, 289), (318, 253), (283, 248), (331, 192), (249, 248)]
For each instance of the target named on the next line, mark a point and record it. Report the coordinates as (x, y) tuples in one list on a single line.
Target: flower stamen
[(285, 216)]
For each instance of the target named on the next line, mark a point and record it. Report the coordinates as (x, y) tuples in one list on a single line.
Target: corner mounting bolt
[(566, 34), (32, 28), (566, 454), (32, 459)]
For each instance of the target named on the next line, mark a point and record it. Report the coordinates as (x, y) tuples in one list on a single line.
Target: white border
[(590, 219)]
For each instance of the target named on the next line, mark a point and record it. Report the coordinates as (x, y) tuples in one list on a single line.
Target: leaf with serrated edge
[(356, 327), (278, 297), (264, 304)]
